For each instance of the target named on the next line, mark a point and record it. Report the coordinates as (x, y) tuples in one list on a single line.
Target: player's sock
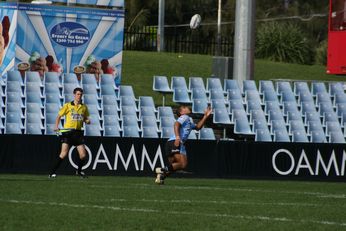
[(56, 165), (80, 165)]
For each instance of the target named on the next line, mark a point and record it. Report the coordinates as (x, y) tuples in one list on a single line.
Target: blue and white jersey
[(186, 125)]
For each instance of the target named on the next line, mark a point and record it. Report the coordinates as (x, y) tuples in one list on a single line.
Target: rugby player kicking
[(76, 114), (175, 146)]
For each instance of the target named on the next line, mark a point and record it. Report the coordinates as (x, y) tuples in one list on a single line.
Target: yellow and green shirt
[(74, 115)]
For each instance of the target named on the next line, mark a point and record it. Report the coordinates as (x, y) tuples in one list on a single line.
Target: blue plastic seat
[(33, 76), (235, 104), (130, 131), (107, 80), (196, 82), (69, 87), (257, 115), (259, 124), (234, 94), (91, 100), (296, 125), (288, 96), (93, 110), (330, 117), (336, 137), (249, 85), (290, 107), (271, 106), (165, 111), (281, 136), (242, 127), (301, 87), (160, 84), (33, 129), (1, 126), (33, 118), (33, 87), (90, 89), (109, 100), (336, 88), (314, 126), (53, 98), (34, 97), (231, 84), (128, 111), (149, 132), (199, 106), (270, 96), (70, 78), (308, 107), (333, 126), (283, 86), (216, 94), (166, 122), (218, 103), (266, 86), (49, 129), (238, 115), (340, 98), (299, 136), (14, 86), (167, 132), (148, 121), (13, 128), (110, 120), (252, 105), (68, 98), (13, 97), (128, 101), (112, 131), (275, 115), (325, 107), (323, 97), (95, 120), (221, 116), (181, 95), (178, 82), (14, 107), (51, 108), (34, 108), (252, 95), (146, 101), (89, 79), (294, 116), (277, 125), (52, 77), (125, 90), (312, 116), (341, 109), (130, 120), (51, 88), (318, 87), (206, 134), (92, 130), (147, 111), (192, 135), (263, 135), (214, 83), (198, 93), (305, 97), (13, 117), (15, 76), (318, 137)]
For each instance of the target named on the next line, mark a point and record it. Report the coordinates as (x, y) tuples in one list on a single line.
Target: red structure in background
[(336, 61)]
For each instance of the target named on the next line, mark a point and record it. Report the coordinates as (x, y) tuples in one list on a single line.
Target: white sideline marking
[(170, 187), (217, 215), (218, 202)]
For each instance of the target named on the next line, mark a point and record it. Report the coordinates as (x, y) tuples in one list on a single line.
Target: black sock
[(56, 165), (170, 168), (80, 165)]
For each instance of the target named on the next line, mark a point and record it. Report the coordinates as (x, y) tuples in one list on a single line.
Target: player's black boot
[(81, 174)]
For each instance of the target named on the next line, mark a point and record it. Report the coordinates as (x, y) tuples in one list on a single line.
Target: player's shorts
[(171, 149), (73, 137)]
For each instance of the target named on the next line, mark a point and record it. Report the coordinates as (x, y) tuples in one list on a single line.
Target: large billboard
[(8, 26), (113, 3)]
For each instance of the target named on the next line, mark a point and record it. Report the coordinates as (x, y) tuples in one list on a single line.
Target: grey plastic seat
[(92, 130), (277, 125), (130, 131), (283, 86), (221, 116), (125, 90), (181, 95), (149, 132), (89, 79), (146, 101), (336, 88), (281, 136), (234, 94), (160, 84), (147, 111), (230, 84), (33, 76), (110, 120), (318, 137), (270, 96), (296, 125), (199, 105), (249, 85), (196, 82), (107, 90), (70, 78), (178, 82), (165, 111), (148, 121), (299, 136), (112, 131), (266, 86), (14, 76), (167, 132), (242, 127), (69, 87), (336, 137), (301, 87), (13, 128), (314, 126), (318, 87), (33, 129), (198, 93), (263, 135), (166, 122), (53, 98), (206, 134), (214, 83), (271, 106)]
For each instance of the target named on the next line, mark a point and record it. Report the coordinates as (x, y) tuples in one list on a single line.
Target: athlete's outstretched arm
[(207, 113)]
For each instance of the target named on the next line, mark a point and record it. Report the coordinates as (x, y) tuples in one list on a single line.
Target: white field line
[(219, 202), (144, 210), (170, 187)]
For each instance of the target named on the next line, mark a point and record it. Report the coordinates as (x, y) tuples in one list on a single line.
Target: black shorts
[(171, 149), (72, 138)]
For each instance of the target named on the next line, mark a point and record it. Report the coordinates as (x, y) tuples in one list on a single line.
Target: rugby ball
[(195, 21)]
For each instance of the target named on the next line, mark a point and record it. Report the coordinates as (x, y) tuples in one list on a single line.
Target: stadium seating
[(206, 134)]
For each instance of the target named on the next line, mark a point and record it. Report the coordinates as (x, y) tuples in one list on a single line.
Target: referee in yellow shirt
[(76, 114)]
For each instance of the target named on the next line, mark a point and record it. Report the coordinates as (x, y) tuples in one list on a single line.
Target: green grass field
[(123, 203)]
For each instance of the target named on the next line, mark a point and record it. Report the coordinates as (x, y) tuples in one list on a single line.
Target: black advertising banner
[(139, 157)]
